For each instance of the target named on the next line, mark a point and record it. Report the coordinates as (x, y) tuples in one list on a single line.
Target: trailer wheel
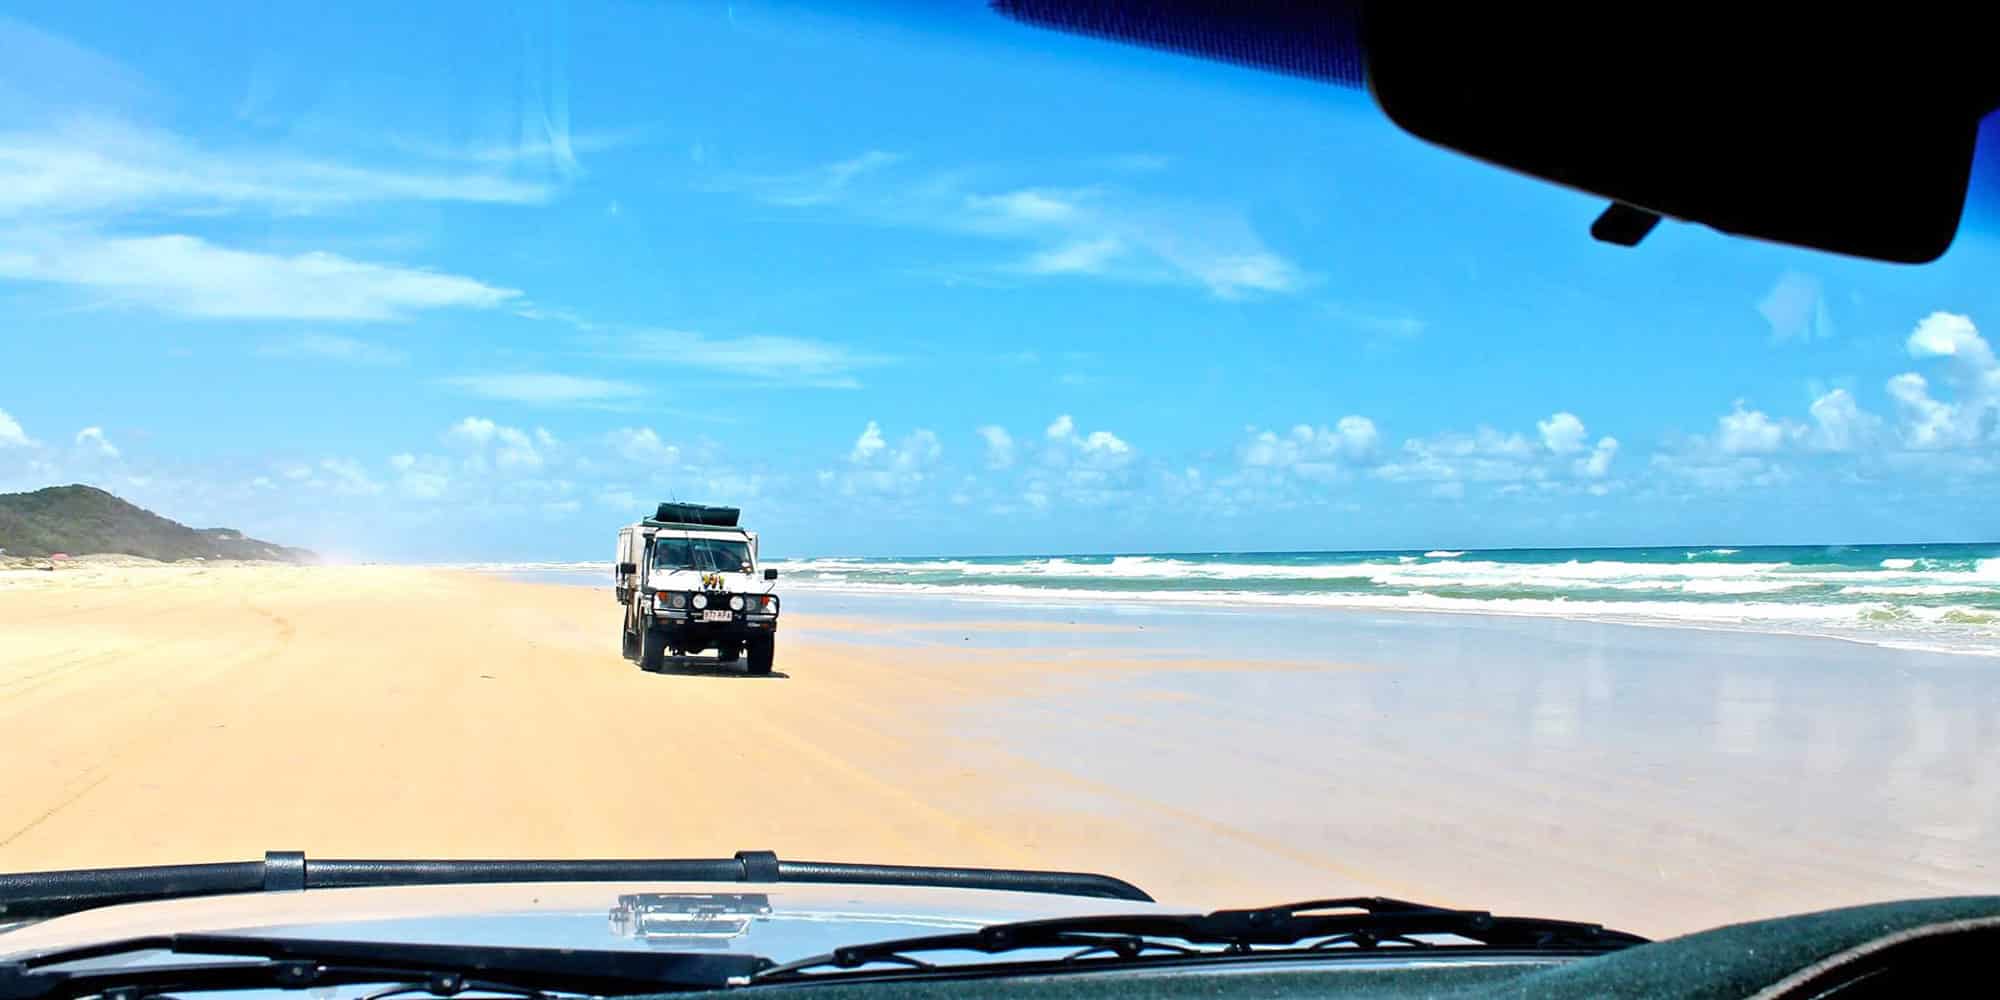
[(652, 650), (762, 649)]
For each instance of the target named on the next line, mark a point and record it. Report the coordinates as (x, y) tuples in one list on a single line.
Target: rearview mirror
[(1847, 140), (627, 569), (770, 574)]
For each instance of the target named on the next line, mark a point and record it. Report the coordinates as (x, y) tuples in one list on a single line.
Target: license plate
[(715, 616)]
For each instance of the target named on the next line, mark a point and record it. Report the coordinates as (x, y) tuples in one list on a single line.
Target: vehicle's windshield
[(710, 555), (1158, 467)]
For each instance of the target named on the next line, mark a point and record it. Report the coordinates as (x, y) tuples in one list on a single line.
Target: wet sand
[(1655, 779)]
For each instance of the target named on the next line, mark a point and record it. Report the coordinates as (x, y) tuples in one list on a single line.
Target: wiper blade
[(1290, 928), (439, 969), (49, 894)]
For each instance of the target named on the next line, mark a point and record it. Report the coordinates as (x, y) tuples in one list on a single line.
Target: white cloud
[(543, 388), (1386, 323), (1749, 432), (1562, 433), (1485, 455), (1314, 452), (510, 447), (1795, 307), (1597, 464), (1061, 428), (186, 275), (644, 446), (1839, 424), (620, 500), (1115, 234), (1974, 416), (999, 446), (877, 467), (1943, 334), (331, 347), (347, 476), (771, 359), (11, 434), (1927, 422), (868, 444), (91, 166), (1033, 206), (822, 184), (1079, 257), (474, 431), (92, 439), (1105, 443)]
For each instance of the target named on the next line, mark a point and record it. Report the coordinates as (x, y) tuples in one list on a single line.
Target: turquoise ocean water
[(1944, 596)]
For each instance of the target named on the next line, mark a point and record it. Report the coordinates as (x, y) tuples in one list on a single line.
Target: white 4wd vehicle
[(689, 581)]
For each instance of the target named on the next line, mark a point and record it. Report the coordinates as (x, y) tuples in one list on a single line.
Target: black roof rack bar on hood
[(33, 895)]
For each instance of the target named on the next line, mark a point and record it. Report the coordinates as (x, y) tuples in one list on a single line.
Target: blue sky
[(488, 284)]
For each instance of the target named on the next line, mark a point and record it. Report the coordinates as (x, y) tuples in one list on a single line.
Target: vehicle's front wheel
[(762, 650), (652, 649), (728, 651)]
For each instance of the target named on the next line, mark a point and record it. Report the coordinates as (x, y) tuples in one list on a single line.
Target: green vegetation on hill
[(84, 520)]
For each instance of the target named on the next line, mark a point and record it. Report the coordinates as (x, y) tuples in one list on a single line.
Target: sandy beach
[(1654, 779)]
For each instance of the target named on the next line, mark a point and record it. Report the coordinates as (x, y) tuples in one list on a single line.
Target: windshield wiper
[(1293, 928), (436, 969), (33, 895)]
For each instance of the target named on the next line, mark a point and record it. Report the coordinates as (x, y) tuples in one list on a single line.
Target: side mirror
[(770, 574), (627, 569)]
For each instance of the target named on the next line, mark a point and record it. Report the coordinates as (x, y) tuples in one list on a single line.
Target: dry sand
[(183, 713)]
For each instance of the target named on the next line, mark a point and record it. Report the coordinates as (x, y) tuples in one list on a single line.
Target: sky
[(485, 286)]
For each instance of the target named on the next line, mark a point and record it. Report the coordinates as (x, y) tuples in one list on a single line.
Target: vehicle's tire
[(652, 650), (728, 651), (762, 650), (627, 639)]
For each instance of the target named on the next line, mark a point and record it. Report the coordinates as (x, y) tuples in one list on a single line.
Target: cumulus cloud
[(1749, 432), (868, 445), (1314, 452), (999, 446), (643, 445), (93, 441), (1839, 423), (347, 476), (1061, 428), (1562, 433), (876, 466), (1597, 464), (1927, 422), (11, 434), (508, 448)]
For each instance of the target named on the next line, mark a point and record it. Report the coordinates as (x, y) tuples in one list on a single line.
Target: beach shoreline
[(1647, 778)]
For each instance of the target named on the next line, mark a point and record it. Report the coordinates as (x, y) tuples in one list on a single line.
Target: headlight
[(678, 601), (736, 603), (700, 601)]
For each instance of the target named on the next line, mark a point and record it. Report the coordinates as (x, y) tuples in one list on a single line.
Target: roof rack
[(32, 895)]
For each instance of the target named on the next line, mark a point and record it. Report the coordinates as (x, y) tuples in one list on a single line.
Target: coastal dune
[(183, 713)]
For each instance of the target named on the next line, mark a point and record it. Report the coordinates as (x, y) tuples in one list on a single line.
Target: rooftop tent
[(695, 513)]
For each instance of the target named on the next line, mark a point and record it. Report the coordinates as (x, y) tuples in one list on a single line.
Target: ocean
[(1939, 596)]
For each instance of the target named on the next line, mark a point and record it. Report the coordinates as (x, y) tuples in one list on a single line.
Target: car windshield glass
[(1153, 466), (709, 555)]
